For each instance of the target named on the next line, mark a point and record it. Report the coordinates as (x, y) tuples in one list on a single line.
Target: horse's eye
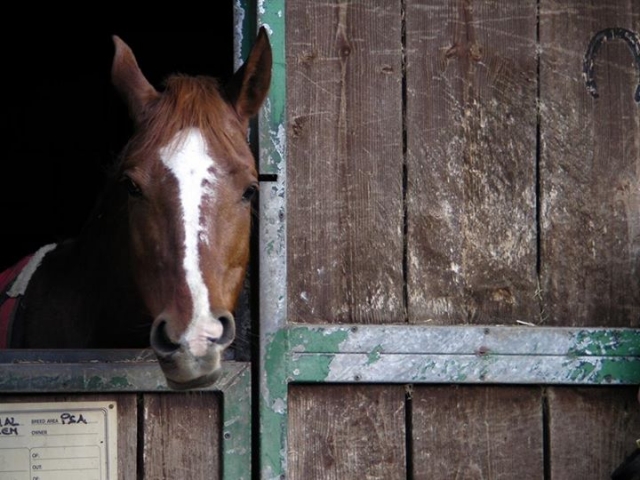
[(250, 192), (132, 187)]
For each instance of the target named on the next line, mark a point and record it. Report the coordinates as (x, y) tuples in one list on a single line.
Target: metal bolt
[(227, 435), (483, 350)]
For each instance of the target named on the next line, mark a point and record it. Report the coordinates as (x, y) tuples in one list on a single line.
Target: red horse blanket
[(13, 284), (9, 304)]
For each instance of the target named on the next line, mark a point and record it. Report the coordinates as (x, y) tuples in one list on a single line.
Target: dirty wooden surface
[(591, 430), (471, 159), (339, 432), (182, 436), (127, 423), (514, 196), (477, 432), (590, 168), (344, 210)]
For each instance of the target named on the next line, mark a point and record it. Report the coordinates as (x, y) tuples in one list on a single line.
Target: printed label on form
[(58, 441)]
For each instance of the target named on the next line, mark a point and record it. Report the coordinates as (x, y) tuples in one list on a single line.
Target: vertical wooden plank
[(590, 168), (344, 162), (477, 432), (182, 436), (471, 159), (127, 423), (340, 431), (592, 430)]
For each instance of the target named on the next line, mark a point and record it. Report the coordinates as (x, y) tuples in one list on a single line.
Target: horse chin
[(184, 371), (200, 382)]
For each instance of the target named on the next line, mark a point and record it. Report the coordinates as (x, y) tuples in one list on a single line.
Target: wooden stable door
[(447, 166)]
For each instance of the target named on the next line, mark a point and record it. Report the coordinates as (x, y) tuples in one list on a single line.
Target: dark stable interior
[(64, 125)]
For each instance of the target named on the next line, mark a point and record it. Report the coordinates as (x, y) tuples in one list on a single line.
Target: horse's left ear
[(129, 80), (249, 86)]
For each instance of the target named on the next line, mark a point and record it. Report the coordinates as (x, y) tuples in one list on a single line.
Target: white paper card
[(58, 441)]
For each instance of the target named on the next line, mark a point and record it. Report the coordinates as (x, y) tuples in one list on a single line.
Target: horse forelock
[(189, 102)]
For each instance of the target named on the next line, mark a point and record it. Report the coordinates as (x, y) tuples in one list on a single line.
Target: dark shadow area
[(64, 125)]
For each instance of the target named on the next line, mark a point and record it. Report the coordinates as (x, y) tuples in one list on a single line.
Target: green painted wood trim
[(421, 354), (244, 16), (272, 156), (272, 116), (236, 427)]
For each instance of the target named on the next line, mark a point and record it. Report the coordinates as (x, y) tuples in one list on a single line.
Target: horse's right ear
[(249, 86), (127, 78)]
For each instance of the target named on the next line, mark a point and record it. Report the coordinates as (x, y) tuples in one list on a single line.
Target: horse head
[(189, 176)]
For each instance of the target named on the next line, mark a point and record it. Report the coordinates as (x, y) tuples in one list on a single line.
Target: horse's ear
[(249, 86), (127, 78)]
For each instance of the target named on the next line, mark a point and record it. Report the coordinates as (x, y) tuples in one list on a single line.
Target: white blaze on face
[(187, 159)]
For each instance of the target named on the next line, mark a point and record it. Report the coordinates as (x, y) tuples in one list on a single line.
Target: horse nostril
[(160, 340), (228, 330)]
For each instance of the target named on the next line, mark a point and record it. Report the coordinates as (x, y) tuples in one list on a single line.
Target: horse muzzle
[(184, 369)]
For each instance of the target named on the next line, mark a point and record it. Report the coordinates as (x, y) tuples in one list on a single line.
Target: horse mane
[(189, 102)]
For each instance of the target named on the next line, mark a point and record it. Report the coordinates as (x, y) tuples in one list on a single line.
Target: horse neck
[(99, 293)]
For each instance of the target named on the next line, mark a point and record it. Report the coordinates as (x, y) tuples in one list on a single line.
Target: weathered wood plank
[(127, 423), (182, 436), (344, 162), (477, 432), (590, 168), (471, 161), (339, 432), (592, 430)]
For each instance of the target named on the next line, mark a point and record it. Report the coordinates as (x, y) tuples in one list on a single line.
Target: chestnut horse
[(162, 259)]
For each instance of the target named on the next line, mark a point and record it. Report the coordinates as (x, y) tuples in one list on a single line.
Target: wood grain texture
[(344, 161), (127, 423), (592, 430), (477, 432), (182, 436), (340, 431), (471, 161), (590, 168)]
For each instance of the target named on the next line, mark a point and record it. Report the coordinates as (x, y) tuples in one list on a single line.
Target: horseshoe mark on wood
[(632, 41)]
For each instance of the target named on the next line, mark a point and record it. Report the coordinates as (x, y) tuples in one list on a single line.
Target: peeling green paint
[(583, 371), (605, 371), (606, 343), (272, 135), (236, 460), (119, 382), (618, 370), (427, 366), (245, 27), (311, 368), (374, 355), (319, 339), (280, 366), (273, 406), (95, 383)]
